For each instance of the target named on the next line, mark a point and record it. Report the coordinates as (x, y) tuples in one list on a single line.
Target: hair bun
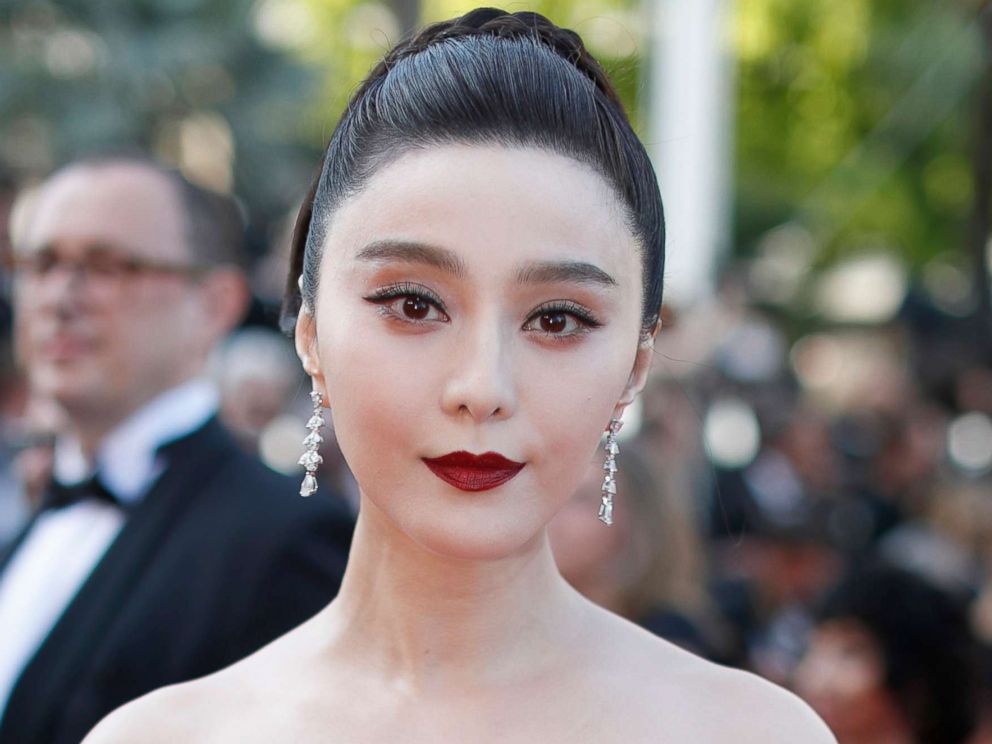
[(502, 24)]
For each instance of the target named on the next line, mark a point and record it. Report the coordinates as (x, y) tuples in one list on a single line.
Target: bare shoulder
[(755, 710), (205, 710), (696, 700), (169, 714)]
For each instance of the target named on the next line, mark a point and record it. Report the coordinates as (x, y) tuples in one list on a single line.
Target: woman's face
[(476, 299), (842, 676)]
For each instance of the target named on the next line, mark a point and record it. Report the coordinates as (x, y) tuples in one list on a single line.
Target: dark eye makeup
[(559, 320), (418, 301)]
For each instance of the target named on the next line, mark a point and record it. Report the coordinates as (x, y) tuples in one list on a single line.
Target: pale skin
[(453, 623)]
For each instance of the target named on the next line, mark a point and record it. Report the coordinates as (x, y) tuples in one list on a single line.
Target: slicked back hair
[(490, 78)]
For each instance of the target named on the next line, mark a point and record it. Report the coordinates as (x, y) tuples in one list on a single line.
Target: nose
[(480, 382)]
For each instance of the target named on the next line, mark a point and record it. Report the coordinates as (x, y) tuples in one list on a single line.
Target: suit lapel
[(62, 659)]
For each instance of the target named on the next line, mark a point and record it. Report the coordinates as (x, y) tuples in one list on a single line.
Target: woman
[(480, 267), (892, 660)]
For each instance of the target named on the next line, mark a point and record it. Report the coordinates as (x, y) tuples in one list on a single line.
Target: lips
[(469, 472), (66, 346)]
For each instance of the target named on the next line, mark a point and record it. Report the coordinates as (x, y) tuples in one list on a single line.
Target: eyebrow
[(538, 272), (412, 252), (575, 272)]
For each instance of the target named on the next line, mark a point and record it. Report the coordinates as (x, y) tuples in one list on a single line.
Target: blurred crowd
[(807, 498)]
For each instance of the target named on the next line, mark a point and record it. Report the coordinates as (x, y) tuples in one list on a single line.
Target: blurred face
[(104, 321), (475, 301), (842, 677), (251, 404)]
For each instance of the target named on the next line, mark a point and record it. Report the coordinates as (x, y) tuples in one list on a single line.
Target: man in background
[(162, 551), (13, 504)]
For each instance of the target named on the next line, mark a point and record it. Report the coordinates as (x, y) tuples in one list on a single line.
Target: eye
[(41, 263), (415, 307), (409, 303), (557, 322), (561, 320), (103, 264)]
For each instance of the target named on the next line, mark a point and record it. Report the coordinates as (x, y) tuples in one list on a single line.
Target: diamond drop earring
[(610, 466), (311, 459)]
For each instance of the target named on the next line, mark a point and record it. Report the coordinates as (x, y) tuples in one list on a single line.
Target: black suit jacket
[(220, 557)]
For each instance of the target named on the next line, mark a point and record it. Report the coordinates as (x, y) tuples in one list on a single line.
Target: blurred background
[(806, 489)]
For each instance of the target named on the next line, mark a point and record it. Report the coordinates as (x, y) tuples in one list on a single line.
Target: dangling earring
[(610, 466), (311, 459)]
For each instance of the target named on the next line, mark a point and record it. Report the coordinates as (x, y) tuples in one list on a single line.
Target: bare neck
[(90, 431), (430, 620)]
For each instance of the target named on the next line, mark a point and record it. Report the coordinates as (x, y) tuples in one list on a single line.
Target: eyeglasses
[(99, 266)]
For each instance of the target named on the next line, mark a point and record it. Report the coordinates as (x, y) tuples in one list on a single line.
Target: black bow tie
[(60, 495)]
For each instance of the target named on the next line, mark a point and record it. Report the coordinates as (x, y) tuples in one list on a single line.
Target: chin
[(478, 547), (74, 390), (472, 531)]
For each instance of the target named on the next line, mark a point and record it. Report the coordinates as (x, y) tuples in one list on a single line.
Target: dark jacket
[(220, 557)]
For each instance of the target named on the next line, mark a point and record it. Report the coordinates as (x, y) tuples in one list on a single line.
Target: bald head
[(126, 205), (207, 224)]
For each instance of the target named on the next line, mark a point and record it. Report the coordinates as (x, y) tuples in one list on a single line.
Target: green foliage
[(189, 80), (354, 35), (853, 118)]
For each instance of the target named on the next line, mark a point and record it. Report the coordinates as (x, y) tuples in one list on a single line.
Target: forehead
[(494, 206), (126, 207)]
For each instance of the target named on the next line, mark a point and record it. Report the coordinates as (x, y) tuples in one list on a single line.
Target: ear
[(305, 337), (638, 373)]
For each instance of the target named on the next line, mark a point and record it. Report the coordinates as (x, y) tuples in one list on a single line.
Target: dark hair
[(214, 227), (927, 648), (490, 77)]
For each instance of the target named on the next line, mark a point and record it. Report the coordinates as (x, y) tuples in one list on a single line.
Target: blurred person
[(671, 436), (650, 568), (773, 565), (13, 506), (8, 195), (973, 389), (161, 551), (950, 540), (256, 373), (34, 445), (891, 661)]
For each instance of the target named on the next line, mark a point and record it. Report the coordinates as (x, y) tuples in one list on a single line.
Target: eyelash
[(586, 322), (403, 290)]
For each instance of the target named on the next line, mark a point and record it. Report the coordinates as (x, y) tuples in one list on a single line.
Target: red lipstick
[(469, 472)]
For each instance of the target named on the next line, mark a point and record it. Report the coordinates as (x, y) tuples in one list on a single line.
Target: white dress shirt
[(65, 545)]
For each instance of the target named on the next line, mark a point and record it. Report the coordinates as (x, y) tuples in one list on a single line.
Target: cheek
[(165, 311), (381, 394), (567, 401)]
